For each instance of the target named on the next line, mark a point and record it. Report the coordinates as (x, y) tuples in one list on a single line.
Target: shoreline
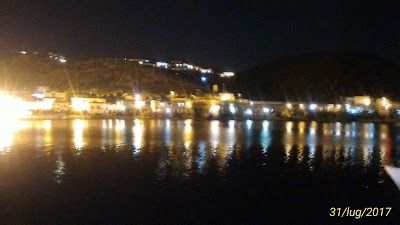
[(75, 117)]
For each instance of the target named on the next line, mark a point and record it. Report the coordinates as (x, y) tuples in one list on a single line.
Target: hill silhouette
[(27, 72), (321, 76)]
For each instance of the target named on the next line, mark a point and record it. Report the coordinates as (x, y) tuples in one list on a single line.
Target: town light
[(367, 102), (137, 96), (289, 105), (11, 108), (227, 74), (152, 105), (162, 64), (385, 103), (227, 97), (79, 104), (206, 70), (301, 106), (249, 112), (214, 109), (38, 95), (139, 104), (313, 106), (267, 110), (119, 106), (168, 110), (232, 108), (204, 79), (188, 104)]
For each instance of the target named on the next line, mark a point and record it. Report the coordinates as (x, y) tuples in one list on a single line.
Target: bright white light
[(313, 106), (301, 106), (140, 62), (162, 64), (79, 104), (227, 74), (38, 95), (137, 96), (204, 79), (251, 103), (385, 103), (249, 112), (62, 60), (232, 108), (139, 104), (205, 70), (367, 102), (214, 110), (289, 105), (23, 52), (355, 110), (227, 97), (266, 110), (12, 109), (168, 110)]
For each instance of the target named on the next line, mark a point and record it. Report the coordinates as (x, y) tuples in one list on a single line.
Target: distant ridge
[(320, 76)]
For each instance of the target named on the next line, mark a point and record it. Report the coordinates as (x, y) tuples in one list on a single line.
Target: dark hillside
[(320, 76), (29, 71)]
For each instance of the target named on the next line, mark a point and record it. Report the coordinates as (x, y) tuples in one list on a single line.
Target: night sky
[(226, 34)]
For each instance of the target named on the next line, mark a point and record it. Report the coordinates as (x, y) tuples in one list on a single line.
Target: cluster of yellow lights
[(12, 108)]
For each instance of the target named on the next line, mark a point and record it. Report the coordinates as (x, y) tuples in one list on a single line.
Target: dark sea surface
[(195, 172)]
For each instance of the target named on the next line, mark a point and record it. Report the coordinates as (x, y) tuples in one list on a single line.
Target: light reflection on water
[(184, 148), (60, 169), (78, 127), (137, 131), (7, 132)]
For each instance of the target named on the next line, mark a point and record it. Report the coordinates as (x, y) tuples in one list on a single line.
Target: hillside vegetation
[(104, 75)]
